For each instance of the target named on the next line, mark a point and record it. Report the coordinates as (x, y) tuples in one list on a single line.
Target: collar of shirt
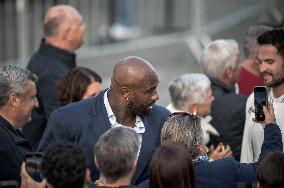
[(139, 125), (272, 99)]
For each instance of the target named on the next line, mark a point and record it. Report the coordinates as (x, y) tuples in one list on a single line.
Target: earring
[(127, 98), (194, 112)]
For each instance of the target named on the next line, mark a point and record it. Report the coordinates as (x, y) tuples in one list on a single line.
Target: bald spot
[(64, 15), (132, 71)]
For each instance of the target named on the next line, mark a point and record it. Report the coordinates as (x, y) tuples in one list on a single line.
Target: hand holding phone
[(33, 164), (28, 182)]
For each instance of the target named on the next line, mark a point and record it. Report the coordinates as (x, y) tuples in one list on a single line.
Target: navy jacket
[(13, 147), (49, 63), (85, 121), (226, 173)]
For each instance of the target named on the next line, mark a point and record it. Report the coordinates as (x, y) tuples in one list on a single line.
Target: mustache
[(266, 73)]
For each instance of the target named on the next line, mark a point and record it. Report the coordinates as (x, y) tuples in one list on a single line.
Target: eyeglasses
[(192, 116)]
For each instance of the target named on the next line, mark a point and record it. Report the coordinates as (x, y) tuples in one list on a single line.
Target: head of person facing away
[(171, 166), (250, 41), (191, 93), (250, 47), (64, 27), (270, 56), (116, 155), (64, 165), (220, 60), (77, 84), (184, 128), (270, 173), (133, 88), (17, 94)]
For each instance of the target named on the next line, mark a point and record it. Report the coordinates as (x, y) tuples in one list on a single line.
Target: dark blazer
[(228, 116), (13, 147), (49, 63), (226, 173), (85, 121)]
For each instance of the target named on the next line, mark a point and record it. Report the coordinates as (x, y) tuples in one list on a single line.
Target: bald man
[(63, 33), (130, 101)]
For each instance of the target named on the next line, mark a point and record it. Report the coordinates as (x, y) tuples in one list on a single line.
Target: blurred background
[(170, 34)]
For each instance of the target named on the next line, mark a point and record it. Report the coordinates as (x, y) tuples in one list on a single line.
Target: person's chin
[(267, 83)]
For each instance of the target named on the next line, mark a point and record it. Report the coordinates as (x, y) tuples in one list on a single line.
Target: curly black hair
[(64, 165)]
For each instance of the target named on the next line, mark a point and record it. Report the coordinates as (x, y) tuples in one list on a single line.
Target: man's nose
[(156, 96), (262, 67)]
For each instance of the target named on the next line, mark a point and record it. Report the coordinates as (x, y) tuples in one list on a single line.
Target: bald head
[(132, 71), (58, 17)]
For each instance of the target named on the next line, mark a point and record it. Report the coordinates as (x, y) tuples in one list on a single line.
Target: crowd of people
[(119, 137)]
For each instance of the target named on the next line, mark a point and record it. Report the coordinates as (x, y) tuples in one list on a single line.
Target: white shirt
[(139, 125), (253, 132)]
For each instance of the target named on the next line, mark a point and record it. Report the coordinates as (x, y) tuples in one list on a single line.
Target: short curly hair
[(185, 129), (64, 165)]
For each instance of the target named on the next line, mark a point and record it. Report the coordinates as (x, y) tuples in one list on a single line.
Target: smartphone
[(33, 162), (260, 100)]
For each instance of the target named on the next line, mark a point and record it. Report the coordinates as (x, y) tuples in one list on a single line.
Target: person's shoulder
[(157, 109), (220, 164), (79, 107)]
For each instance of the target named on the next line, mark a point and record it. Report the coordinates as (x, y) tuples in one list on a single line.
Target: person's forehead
[(267, 49)]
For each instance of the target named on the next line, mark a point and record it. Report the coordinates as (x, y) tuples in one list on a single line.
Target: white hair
[(218, 56), (187, 89)]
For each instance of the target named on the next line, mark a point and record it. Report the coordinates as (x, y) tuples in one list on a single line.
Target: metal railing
[(21, 21)]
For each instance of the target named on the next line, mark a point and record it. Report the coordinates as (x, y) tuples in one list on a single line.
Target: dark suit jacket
[(228, 116), (226, 173), (13, 147), (85, 121)]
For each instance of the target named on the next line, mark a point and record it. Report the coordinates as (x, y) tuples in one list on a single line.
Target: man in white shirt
[(270, 57)]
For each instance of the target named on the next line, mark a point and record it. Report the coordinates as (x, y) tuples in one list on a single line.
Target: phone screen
[(33, 164), (260, 100)]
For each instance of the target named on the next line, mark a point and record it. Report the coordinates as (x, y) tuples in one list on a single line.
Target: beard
[(137, 109), (275, 81)]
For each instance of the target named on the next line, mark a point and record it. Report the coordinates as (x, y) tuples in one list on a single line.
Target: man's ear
[(228, 73), (96, 163), (14, 100), (125, 92), (134, 164), (192, 108), (87, 175)]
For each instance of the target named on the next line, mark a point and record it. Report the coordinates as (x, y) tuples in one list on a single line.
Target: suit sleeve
[(55, 131), (272, 142)]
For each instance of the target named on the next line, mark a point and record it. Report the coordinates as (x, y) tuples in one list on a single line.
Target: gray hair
[(218, 56), (13, 79), (115, 152), (250, 41), (185, 129), (187, 89)]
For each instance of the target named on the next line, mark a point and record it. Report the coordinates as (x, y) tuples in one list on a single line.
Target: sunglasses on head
[(192, 116)]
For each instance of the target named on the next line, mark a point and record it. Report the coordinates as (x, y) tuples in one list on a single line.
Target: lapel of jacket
[(99, 116), (149, 143)]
